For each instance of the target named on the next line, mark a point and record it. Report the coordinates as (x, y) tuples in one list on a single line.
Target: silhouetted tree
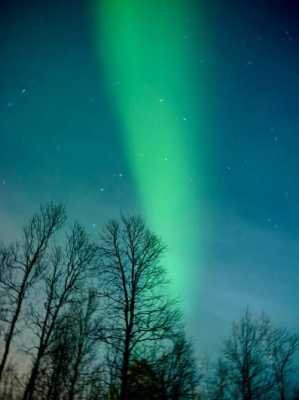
[(103, 327), (22, 264), (143, 382), (137, 307), (246, 357), (94, 386), (86, 324), (281, 347), (220, 382), (69, 370), (10, 386), (177, 370), (67, 270), (58, 360)]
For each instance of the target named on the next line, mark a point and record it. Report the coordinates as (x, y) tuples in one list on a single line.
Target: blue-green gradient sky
[(229, 89)]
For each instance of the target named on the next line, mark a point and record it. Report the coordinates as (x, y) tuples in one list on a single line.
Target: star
[(3, 182), (102, 189), (161, 100), (165, 158), (120, 175), (24, 91)]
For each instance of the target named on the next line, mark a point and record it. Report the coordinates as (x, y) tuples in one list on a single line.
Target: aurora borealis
[(146, 46), (183, 111)]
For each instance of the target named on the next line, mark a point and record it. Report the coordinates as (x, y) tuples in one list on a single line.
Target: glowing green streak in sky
[(148, 60)]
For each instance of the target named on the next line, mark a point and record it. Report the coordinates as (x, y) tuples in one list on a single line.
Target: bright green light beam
[(147, 56)]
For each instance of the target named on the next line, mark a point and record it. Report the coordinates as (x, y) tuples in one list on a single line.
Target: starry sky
[(63, 138)]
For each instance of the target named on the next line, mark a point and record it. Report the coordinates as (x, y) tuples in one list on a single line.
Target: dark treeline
[(94, 321)]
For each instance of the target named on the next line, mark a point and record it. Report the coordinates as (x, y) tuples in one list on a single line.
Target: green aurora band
[(149, 63)]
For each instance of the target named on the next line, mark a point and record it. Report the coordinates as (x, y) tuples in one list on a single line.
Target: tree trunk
[(11, 333), (30, 387), (75, 375), (282, 392), (124, 375)]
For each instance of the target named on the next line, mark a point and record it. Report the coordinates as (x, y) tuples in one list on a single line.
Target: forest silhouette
[(84, 319)]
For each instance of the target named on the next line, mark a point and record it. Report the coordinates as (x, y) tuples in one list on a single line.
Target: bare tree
[(21, 266), (11, 386), (137, 307), (143, 382), (282, 347), (246, 357), (55, 366), (177, 370), (68, 269), (72, 356), (86, 325), (94, 387), (72, 360), (220, 382)]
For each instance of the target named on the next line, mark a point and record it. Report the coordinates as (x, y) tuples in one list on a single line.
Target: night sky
[(64, 137)]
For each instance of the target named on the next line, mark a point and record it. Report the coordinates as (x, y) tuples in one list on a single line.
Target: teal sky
[(63, 137)]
